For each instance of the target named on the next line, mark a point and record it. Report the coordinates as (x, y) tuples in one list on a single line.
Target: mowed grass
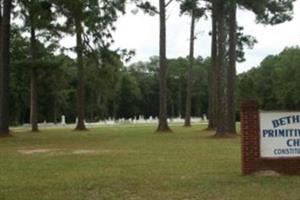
[(131, 163)]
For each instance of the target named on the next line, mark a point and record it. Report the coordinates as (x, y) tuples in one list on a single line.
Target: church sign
[(279, 134), (270, 140)]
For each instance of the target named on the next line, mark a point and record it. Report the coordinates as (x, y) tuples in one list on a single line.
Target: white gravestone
[(63, 120)]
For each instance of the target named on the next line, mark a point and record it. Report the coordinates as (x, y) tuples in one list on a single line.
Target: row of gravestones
[(137, 120)]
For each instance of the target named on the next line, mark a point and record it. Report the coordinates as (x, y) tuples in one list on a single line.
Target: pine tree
[(5, 67), (190, 7), (163, 67), (37, 16), (92, 23), (231, 74)]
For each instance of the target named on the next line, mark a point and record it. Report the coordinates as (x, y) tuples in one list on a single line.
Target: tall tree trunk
[(55, 111), (221, 87), (231, 74), (188, 103), (179, 98), (33, 80), (5, 69), (163, 123), (0, 23), (1, 31), (80, 87), (172, 110), (212, 113)]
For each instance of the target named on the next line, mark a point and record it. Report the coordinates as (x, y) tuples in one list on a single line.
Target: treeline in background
[(112, 90), (116, 91), (39, 82)]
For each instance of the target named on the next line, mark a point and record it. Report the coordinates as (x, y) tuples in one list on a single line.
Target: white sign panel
[(279, 134)]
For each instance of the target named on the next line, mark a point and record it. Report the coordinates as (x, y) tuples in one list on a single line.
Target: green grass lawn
[(131, 163)]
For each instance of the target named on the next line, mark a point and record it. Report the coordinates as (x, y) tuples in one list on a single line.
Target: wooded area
[(37, 84)]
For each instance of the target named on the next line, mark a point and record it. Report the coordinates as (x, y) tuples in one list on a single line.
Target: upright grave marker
[(270, 140)]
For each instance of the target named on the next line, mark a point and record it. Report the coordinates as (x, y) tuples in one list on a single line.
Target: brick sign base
[(251, 160)]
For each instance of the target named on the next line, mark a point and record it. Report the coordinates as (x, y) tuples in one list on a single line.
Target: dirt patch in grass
[(37, 151), (101, 151), (84, 151), (50, 151), (267, 173)]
